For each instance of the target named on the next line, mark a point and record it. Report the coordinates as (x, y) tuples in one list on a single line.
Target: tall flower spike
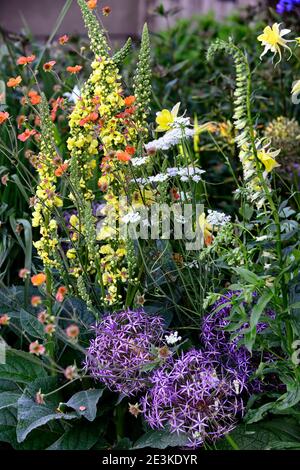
[(47, 200), (121, 55), (98, 40), (142, 79), (242, 121)]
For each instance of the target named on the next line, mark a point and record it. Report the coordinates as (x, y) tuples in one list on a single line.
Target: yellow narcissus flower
[(268, 160), (166, 118), (272, 39)]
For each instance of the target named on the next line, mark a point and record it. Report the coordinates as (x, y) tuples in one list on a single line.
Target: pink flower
[(71, 372), (72, 331), (42, 316), (4, 320), (36, 300), (36, 348), (23, 273)]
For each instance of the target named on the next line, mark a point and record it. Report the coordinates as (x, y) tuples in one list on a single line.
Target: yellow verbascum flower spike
[(166, 118)]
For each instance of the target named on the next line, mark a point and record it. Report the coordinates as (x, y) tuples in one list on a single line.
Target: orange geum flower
[(48, 66), (60, 294), (129, 100), (4, 320), (63, 39), (3, 116), (14, 81), (20, 120), (123, 156), (130, 149), (38, 279), (36, 348), (34, 97), (24, 60), (36, 300), (61, 169), (92, 4), (74, 69), (106, 11), (26, 134)]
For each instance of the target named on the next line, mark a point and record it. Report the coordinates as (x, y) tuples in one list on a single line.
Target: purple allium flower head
[(123, 346), (195, 395), (217, 340)]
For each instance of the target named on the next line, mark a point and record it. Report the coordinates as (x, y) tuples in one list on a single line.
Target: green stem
[(273, 208)]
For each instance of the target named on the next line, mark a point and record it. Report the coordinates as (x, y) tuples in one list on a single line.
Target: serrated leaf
[(32, 415), (161, 440), (21, 367), (87, 399)]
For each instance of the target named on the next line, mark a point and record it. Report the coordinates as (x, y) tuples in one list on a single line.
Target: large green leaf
[(82, 436), (32, 415), (21, 367), (161, 440), (8, 423), (8, 399), (246, 438), (31, 325), (85, 402)]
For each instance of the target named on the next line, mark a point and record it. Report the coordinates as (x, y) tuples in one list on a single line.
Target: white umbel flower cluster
[(170, 138), (217, 219), (173, 338)]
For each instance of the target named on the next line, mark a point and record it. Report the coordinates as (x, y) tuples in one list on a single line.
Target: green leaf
[(87, 399), (32, 415), (82, 436), (247, 438), (256, 415), (259, 308), (8, 399), (8, 423), (280, 445), (248, 276), (161, 440), (31, 325), (21, 367), (289, 399)]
